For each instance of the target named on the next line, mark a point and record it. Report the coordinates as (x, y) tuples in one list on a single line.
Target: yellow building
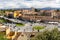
[(13, 35), (16, 35), (17, 14)]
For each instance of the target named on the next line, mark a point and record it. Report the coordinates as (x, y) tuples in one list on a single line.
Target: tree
[(47, 35), (37, 10), (2, 36)]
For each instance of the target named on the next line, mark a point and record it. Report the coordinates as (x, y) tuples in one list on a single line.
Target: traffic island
[(19, 24), (38, 28)]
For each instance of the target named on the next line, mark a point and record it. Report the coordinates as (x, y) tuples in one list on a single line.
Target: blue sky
[(6, 4)]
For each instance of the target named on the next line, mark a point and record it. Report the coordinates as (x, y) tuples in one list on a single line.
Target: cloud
[(6, 4)]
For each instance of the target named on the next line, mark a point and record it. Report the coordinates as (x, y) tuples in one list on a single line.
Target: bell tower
[(33, 9), (53, 14)]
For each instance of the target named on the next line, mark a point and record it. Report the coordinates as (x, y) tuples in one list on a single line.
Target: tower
[(53, 14), (33, 9)]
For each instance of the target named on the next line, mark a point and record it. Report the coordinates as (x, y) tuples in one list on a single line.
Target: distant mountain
[(17, 9), (46, 8), (49, 8)]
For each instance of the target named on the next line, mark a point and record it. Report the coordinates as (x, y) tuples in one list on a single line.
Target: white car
[(53, 22)]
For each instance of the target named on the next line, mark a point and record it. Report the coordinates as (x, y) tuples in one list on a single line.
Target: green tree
[(2, 36), (37, 10), (47, 35)]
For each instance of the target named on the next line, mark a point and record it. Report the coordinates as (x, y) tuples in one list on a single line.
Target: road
[(14, 20), (28, 26)]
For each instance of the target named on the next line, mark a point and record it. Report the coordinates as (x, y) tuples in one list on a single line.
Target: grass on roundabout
[(38, 27), (19, 24)]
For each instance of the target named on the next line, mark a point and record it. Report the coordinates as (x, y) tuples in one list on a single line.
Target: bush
[(3, 21), (47, 35), (2, 34)]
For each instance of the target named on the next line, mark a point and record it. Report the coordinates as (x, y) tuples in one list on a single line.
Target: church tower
[(53, 14), (33, 9)]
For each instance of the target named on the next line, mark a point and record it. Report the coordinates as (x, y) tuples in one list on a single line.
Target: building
[(31, 15), (9, 14), (11, 34), (17, 14), (14, 34), (43, 15)]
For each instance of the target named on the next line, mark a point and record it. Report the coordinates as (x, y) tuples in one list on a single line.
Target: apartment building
[(45, 15), (31, 15), (17, 13), (9, 14)]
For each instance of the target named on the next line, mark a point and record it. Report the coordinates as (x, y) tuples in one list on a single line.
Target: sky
[(7, 4)]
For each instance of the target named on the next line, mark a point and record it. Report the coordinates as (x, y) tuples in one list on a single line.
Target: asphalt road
[(28, 26)]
